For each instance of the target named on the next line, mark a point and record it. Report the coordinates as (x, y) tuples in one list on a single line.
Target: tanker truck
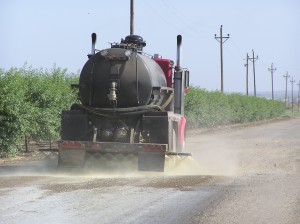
[(131, 103)]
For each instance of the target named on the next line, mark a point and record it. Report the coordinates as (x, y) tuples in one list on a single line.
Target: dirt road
[(240, 175)]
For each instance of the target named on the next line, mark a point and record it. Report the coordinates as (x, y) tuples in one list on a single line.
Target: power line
[(253, 59), (272, 70), (176, 28), (221, 41), (162, 18), (182, 17), (179, 12)]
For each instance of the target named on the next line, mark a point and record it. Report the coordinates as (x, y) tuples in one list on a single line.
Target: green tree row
[(30, 104), (31, 101), (210, 109)]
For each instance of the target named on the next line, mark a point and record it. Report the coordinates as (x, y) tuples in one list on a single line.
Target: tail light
[(153, 147), (70, 144)]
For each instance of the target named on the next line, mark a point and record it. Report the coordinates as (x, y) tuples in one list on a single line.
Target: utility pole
[(221, 40), (131, 17), (298, 84), (292, 81), (253, 59), (286, 78), (272, 70), (247, 65)]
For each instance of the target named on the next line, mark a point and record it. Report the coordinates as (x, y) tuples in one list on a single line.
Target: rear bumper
[(112, 147)]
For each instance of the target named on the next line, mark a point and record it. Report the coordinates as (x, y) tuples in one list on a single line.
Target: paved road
[(239, 175)]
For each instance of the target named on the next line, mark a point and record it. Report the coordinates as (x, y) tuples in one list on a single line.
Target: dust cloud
[(210, 156), (213, 155), (205, 164)]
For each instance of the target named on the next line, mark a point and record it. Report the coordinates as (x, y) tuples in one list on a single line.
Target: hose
[(168, 101), (128, 109), (107, 112)]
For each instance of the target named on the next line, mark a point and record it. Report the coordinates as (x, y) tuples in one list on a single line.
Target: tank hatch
[(133, 42)]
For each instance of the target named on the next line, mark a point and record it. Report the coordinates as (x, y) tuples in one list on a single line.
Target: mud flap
[(151, 161), (71, 158)]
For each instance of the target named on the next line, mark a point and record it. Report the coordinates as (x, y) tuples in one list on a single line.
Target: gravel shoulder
[(265, 161)]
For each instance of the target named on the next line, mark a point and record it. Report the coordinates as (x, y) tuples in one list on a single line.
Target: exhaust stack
[(179, 40), (94, 39), (179, 82)]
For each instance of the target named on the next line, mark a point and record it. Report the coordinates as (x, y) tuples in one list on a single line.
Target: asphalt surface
[(237, 175)]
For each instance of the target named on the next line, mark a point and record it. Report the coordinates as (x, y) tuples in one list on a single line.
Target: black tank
[(134, 74)]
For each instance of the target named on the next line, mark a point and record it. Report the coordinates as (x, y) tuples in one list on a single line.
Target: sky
[(58, 32)]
